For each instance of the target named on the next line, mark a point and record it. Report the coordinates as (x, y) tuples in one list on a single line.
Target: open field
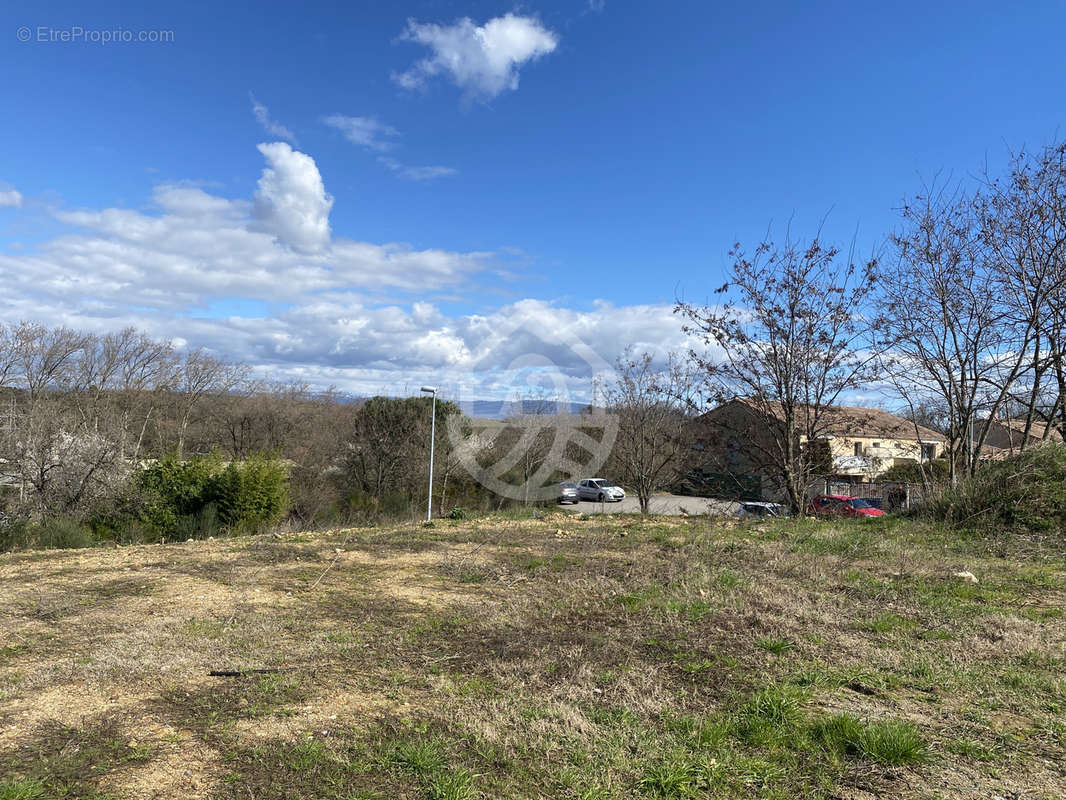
[(569, 657)]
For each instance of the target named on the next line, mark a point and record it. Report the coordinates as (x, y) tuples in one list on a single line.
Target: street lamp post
[(432, 440)]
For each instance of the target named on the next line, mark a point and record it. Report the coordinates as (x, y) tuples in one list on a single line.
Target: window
[(733, 452), (858, 448), (928, 452)]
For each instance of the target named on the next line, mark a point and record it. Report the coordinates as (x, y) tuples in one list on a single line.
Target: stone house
[(736, 441)]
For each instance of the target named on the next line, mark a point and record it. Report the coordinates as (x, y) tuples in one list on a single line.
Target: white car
[(752, 508), (601, 490)]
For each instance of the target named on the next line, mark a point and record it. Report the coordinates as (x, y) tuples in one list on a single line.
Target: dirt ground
[(661, 505), (570, 656)]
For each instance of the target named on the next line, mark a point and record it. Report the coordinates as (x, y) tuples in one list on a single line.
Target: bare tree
[(952, 340), (202, 374), (652, 404), (1023, 220), (788, 340), (147, 367), (44, 359), (8, 353), (529, 438)]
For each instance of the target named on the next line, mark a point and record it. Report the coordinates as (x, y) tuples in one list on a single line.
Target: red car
[(838, 505)]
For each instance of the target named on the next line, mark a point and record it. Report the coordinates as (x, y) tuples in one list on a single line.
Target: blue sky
[(580, 167)]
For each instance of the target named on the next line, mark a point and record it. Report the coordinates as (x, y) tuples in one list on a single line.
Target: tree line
[(138, 441)]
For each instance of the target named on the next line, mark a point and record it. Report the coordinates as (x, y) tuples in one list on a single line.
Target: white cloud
[(368, 132), (270, 125), (195, 246), (364, 131), (341, 339), (292, 202), (428, 173), (10, 197), (484, 60), (359, 315)]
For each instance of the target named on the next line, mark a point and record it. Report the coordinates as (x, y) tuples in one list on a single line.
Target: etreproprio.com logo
[(78, 34)]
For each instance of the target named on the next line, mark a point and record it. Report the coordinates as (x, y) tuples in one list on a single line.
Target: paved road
[(671, 504)]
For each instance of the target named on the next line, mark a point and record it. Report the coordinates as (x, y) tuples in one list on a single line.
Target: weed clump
[(889, 742)]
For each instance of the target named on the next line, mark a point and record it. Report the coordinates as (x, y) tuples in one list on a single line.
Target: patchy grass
[(569, 657), (22, 790), (890, 742)]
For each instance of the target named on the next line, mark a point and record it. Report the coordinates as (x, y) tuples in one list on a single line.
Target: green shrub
[(49, 534), (251, 495), (1024, 492), (62, 534), (14, 535), (201, 497), (172, 488)]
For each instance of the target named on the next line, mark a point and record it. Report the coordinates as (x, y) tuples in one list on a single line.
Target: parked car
[(568, 492), (601, 490), (838, 505), (757, 508)]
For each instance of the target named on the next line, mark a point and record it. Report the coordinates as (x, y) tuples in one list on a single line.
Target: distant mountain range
[(501, 409), (491, 409)]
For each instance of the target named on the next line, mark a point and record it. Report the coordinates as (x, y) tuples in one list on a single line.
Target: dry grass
[(561, 657)]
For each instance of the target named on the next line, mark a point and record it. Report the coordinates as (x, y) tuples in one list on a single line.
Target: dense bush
[(1024, 492), (199, 497), (249, 495), (173, 488), (46, 534)]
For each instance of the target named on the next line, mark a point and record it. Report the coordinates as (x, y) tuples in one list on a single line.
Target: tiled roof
[(857, 421), (1017, 427)]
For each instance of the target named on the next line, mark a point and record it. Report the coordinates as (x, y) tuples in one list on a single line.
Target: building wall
[(1009, 437), (736, 436), (735, 439), (880, 446)]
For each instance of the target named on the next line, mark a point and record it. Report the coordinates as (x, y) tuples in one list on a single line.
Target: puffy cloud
[(364, 131), (291, 201), (357, 315), (482, 60), (343, 338), (270, 125), (10, 197), (195, 247)]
